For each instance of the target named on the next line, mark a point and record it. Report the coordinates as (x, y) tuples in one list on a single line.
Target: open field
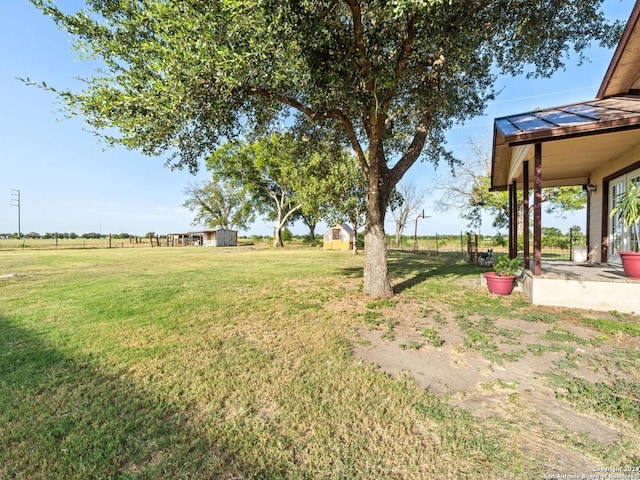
[(433, 244), (246, 362)]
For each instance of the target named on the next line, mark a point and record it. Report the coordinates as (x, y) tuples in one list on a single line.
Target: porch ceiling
[(575, 139)]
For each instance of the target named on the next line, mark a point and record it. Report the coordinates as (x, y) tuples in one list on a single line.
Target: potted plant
[(501, 280), (628, 205)]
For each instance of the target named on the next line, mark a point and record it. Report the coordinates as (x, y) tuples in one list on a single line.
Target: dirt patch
[(503, 369)]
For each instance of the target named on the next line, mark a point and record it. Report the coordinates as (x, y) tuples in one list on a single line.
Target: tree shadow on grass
[(62, 418), (416, 267)]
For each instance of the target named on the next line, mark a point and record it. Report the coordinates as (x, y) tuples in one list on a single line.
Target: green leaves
[(627, 206), (219, 204)]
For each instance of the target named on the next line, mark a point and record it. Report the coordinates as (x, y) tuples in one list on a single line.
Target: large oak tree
[(391, 76)]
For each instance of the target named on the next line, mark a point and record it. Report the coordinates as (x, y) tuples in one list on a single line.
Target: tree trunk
[(312, 233), (277, 239), (376, 279), (399, 228), (354, 248)]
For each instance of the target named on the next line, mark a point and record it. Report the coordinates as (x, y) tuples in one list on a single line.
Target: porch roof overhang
[(577, 139)]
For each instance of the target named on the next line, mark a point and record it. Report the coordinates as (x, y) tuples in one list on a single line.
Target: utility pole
[(15, 202), (415, 234)]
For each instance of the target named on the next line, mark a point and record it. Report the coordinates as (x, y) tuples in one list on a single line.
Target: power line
[(557, 92)]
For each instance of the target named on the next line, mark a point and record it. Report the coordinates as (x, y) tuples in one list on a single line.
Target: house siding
[(599, 201)]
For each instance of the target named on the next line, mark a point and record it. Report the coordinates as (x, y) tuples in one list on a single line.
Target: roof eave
[(573, 131), (629, 30)]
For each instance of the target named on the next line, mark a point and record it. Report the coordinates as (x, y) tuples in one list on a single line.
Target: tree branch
[(403, 58), (358, 36), (335, 114), (415, 148), (291, 212)]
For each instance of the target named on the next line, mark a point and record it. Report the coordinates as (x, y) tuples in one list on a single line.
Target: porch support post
[(537, 211), (525, 212), (510, 221), (514, 217)]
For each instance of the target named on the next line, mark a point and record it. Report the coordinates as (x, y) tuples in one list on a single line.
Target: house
[(339, 237), (595, 144)]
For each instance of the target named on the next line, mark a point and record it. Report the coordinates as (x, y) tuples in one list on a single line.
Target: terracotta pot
[(499, 284), (631, 263)]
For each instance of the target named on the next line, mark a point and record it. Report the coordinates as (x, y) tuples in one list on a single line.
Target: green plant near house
[(628, 205), (507, 266)]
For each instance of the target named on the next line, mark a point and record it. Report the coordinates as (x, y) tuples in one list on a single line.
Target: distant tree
[(219, 203), (273, 170), (286, 235), (410, 202), (468, 192), (578, 235), (319, 189), (551, 231), (347, 198), (312, 196)]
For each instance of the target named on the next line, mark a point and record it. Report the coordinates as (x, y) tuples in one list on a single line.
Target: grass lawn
[(236, 364)]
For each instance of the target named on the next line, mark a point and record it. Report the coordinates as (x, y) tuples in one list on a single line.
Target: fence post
[(475, 252), (437, 243), (571, 244)]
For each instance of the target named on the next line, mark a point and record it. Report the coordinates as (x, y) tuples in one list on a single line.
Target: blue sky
[(69, 182)]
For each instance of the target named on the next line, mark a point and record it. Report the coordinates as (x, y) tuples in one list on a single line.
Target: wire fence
[(570, 247), (463, 244), (75, 243)]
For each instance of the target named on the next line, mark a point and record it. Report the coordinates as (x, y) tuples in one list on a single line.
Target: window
[(620, 237)]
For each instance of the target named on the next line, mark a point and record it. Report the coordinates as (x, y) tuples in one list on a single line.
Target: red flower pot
[(499, 284), (631, 263)]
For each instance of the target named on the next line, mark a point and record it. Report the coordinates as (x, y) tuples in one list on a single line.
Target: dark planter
[(499, 284), (631, 263)]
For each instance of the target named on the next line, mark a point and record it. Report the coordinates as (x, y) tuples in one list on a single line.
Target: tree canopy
[(274, 171), (219, 203), (386, 78)]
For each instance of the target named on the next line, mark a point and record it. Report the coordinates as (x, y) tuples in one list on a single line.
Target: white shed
[(220, 237)]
